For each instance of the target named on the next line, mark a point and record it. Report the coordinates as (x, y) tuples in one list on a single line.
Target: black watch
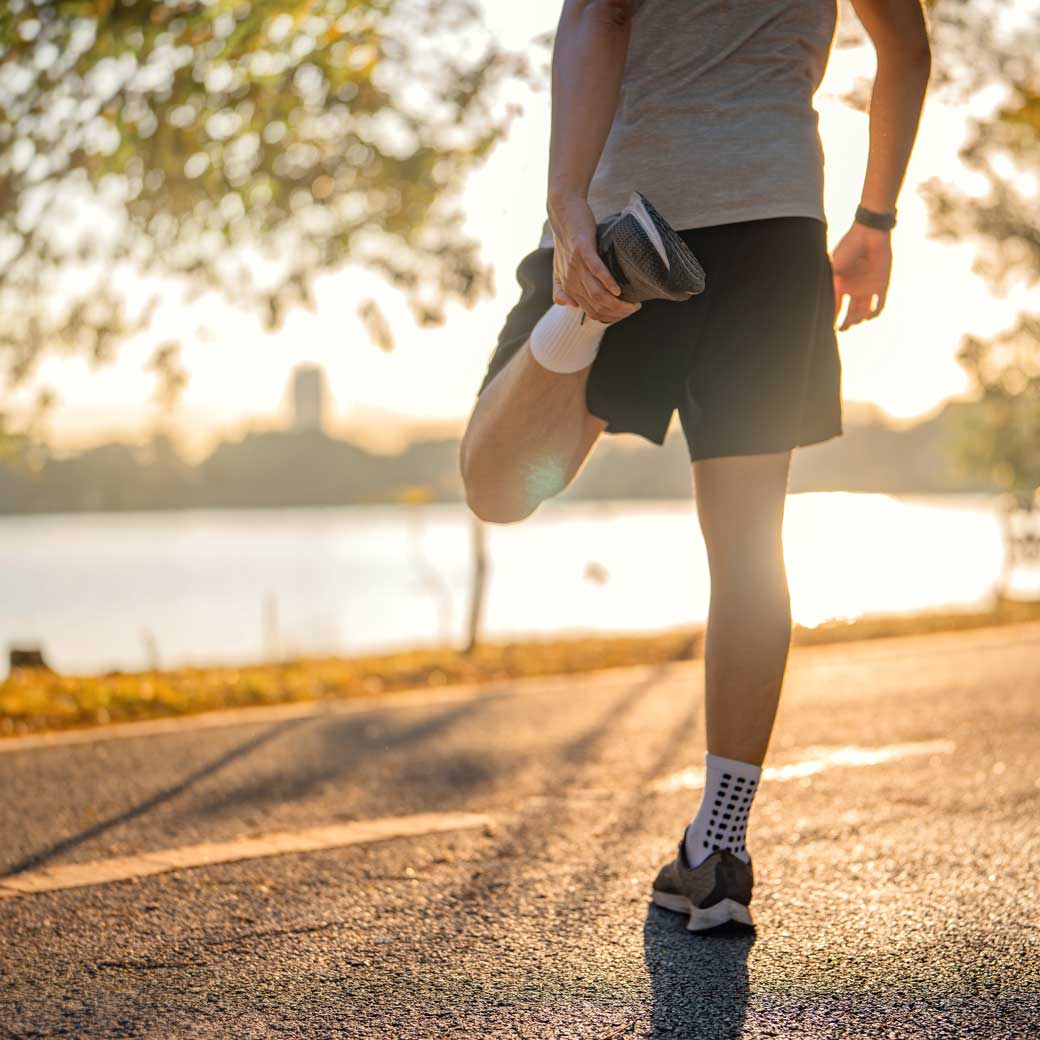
[(879, 221)]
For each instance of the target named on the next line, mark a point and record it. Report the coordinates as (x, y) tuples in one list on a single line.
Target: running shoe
[(647, 258), (717, 891)]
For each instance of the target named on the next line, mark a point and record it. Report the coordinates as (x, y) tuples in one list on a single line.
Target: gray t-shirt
[(715, 122)]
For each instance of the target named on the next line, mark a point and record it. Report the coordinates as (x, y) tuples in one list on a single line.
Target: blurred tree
[(984, 59), (992, 52), (243, 146), (1000, 439)]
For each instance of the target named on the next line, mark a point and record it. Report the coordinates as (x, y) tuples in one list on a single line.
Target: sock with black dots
[(721, 820)]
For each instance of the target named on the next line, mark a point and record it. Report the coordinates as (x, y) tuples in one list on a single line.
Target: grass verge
[(32, 701)]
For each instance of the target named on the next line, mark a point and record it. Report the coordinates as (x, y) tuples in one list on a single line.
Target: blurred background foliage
[(1001, 438), (243, 146), (991, 49)]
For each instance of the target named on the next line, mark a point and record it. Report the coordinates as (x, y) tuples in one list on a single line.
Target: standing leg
[(740, 502)]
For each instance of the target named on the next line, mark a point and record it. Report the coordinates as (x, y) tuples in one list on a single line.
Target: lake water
[(96, 590)]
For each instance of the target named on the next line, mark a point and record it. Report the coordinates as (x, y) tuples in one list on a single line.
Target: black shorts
[(751, 363)]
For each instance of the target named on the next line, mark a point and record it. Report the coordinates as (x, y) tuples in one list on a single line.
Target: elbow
[(920, 57), (608, 14), (913, 60)]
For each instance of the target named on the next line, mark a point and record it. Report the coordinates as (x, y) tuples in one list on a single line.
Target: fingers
[(601, 272), (861, 308), (598, 290), (599, 303), (586, 283), (861, 265), (856, 312), (561, 297)]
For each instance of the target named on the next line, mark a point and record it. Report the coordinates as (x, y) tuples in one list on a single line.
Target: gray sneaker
[(717, 891), (647, 257)]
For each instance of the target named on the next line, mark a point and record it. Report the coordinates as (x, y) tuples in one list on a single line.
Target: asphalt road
[(897, 890)]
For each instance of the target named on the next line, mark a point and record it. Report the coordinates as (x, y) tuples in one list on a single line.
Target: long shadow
[(35, 859), (267, 789), (542, 820), (518, 850), (538, 820), (699, 983), (344, 748)]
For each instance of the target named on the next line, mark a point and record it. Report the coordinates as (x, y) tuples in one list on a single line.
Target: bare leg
[(528, 436), (740, 502)]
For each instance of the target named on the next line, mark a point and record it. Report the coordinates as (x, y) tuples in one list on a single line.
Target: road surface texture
[(896, 841)]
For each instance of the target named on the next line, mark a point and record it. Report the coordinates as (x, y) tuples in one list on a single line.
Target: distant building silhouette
[(308, 398), (300, 468)]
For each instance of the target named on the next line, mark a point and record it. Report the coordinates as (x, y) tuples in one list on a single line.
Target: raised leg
[(740, 502), (527, 438)]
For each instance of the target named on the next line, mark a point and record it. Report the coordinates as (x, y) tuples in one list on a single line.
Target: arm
[(587, 68), (863, 259)]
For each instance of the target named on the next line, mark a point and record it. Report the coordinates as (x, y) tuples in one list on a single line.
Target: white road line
[(816, 760), (314, 839)]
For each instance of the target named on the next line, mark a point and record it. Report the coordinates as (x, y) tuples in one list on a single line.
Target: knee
[(487, 496), (495, 507), (494, 510)]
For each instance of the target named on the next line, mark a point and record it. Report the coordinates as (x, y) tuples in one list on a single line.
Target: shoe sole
[(635, 207), (722, 912)]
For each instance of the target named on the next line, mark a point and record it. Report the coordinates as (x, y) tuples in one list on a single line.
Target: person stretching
[(706, 111)]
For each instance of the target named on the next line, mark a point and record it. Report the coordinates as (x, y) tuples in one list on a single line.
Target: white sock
[(721, 820), (566, 339)]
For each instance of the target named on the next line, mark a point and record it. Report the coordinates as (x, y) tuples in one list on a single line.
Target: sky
[(902, 363)]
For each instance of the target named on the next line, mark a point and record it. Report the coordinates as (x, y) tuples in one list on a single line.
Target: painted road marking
[(314, 839), (816, 760)]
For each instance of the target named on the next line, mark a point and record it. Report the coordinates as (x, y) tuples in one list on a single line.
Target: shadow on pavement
[(344, 749), (58, 848), (699, 983)]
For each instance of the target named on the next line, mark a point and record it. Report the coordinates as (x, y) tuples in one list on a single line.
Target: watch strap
[(879, 221)]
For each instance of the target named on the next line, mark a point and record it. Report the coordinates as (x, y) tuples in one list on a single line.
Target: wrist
[(877, 220), (561, 194)]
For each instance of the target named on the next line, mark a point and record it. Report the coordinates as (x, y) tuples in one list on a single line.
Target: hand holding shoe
[(580, 278)]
